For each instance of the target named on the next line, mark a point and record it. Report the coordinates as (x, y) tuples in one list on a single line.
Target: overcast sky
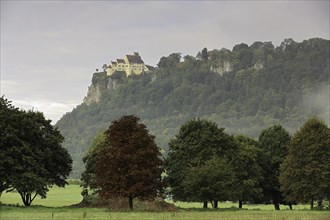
[(49, 49)]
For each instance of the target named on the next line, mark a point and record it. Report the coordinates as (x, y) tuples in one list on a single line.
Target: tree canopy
[(305, 172), (248, 170), (207, 165), (87, 177), (212, 181), (9, 118), (32, 158), (197, 142), (273, 141), (129, 163)]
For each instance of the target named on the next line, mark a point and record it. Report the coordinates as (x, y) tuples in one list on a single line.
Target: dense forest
[(244, 90)]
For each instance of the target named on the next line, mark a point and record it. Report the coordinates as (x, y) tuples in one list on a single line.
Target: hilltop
[(244, 90)]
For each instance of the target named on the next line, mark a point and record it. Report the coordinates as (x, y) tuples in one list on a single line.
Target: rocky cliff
[(101, 83)]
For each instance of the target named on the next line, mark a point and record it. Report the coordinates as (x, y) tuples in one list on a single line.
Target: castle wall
[(129, 68)]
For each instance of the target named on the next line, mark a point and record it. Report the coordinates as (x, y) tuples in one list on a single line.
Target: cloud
[(318, 102), (53, 107), (52, 110)]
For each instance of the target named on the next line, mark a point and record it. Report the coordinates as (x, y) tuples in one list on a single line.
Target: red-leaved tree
[(129, 165)]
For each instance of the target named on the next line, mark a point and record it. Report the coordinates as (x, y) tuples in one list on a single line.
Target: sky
[(50, 49)]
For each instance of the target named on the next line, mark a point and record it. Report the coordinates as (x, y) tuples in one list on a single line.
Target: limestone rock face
[(258, 65), (100, 84), (93, 94), (222, 67)]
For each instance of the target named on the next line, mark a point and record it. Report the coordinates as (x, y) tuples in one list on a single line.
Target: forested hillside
[(244, 90)]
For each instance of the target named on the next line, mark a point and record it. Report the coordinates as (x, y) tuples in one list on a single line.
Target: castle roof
[(120, 61), (134, 59)]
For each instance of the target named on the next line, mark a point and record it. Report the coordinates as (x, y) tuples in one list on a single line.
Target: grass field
[(58, 200), (231, 205), (56, 197), (42, 213)]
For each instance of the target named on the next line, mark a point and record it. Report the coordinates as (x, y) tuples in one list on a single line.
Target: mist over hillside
[(244, 90)]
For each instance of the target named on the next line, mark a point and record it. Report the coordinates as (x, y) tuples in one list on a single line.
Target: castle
[(131, 64)]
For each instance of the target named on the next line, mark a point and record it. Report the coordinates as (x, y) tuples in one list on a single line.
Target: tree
[(273, 141), (169, 62), (242, 55), (212, 181), (33, 157), (87, 177), (129, 164), (205, 55), (9, 119), (197, 142), (305, 172), (248, 170)]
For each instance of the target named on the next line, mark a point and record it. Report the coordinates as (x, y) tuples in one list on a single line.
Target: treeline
[(273, 87), (205, 164), (247, 89)]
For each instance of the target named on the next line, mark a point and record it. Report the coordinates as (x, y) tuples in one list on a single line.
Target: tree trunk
[(277, 206), (312, 204), (130, 202), (290, 205), (23, 199), (240, 204), (319, 204), (215, 206), (27, 198), (205, 205)]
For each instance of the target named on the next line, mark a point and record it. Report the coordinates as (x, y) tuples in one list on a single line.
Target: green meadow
[(58, 201), (56, 197), (44, 213)]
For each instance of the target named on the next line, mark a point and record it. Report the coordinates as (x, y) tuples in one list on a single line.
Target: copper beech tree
[(129, 163)]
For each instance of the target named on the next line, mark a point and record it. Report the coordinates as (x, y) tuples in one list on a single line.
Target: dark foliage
[(31, 155), (198, 165), (305, 172), (129, 163), (246, 90), (274, 141)]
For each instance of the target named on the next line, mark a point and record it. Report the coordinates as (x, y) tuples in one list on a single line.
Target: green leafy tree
[(212, 181), (169, 62), (87, 177), (248, 170), (33, 156), (129, 164), (305, 172), (242, 56), (197, 142), (273, 141), (9, 120), (205, 54)]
